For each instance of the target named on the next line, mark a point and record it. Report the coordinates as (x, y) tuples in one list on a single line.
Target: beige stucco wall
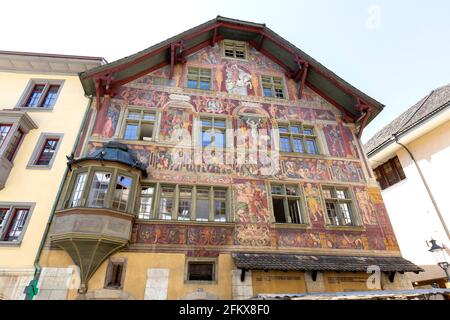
[(39, 185), (410, 209)]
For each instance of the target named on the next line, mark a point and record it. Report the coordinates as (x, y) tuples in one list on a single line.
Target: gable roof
[(333, 88), (436, 101)]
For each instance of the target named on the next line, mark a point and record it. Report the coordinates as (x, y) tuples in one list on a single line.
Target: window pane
[(135, 115), (298, 145), (292, 190), (311, 146), (121, 192), (267, 91), (205, 84), (206, 138), (35, 95), (192, 84), (4, 212), (166, 205), (50, 97), (184, 206), (285, 145), (331, 212), (78, 190), (398, 166), (294, 211), (17, 224), (149, 116), (341, 194), (346, 216), (47, 153), (308, 131), (295, 129), (202, 210), (99, 189), (220, 211), (390, 174), (327, 193), (145, 207), (4, 130), (283, 129), (279, 93), (206, 122), (219, 123), (131, 131), (277, 189), (201, 271), (219, 140)]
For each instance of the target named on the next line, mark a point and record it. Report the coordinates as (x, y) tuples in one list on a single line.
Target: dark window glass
[(16, 225), (50, 97), (47, 152), (35, 95), (4, 130), (278, 210), (200, 271)]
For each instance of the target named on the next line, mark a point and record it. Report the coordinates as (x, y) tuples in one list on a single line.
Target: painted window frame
[(300, 197), (382, 177), (197, 76), (201, 260), (155, 210), (232, 45), (292, 136), (29, 89), (350, 200), (273, 86), (7, 221), (139, 122), (84, 198), (39, 148)]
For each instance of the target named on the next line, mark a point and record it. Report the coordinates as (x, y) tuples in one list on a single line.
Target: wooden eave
[(355, 105)]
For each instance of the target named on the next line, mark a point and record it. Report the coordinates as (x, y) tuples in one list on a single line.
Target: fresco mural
[(313, 201), (251, 213), (340, 141), (237, 94)]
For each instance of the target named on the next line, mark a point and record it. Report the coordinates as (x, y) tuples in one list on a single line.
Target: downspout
[(37, 266), (430, 194)]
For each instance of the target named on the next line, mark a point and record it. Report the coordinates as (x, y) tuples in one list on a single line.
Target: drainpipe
[(37, 266), (430, 194)]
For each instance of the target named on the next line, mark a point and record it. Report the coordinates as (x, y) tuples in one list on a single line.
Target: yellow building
[(221, 163), (42, 108), (410, 157)]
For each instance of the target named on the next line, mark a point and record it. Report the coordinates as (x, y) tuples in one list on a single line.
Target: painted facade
[(158, 250)]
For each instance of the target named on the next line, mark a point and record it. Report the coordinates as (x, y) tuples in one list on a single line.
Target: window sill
[(186, 222), (37, 167), (37, 109), (298, 154), (344, 228), (291, 225), (200, 282), (10, 243)]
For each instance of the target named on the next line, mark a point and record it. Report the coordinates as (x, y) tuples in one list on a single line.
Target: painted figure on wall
[(312, 194), (237, 80), (347, 171), (112, 117), (340, 141), (176, 125), (294, 238), (366, 206)]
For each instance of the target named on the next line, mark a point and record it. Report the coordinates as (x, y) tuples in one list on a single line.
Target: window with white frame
[(297, 138), (234, 49), (338, 204), (287, 203), (273, 87), (139, 124)]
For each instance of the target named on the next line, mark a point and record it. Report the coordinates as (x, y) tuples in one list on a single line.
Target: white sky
[(395, 51)]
